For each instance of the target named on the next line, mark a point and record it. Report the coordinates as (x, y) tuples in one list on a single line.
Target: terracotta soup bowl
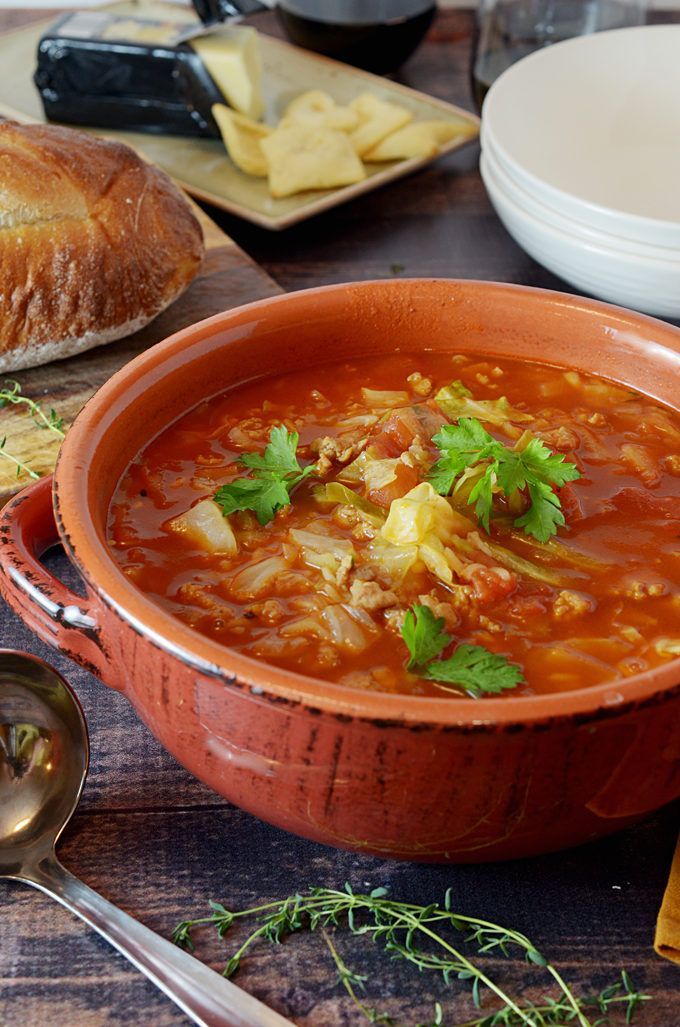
[(438, 779)]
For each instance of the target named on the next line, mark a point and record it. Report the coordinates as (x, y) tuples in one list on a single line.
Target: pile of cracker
[(319, 144)]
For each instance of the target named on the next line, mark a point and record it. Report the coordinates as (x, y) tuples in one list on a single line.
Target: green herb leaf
[(280, 454), (476, 670), (419, 936), (544, 516), (423, 634), (471, 668), (462, 445), (276, 472), (467, 448)]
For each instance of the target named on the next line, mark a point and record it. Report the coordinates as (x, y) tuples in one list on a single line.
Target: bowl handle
[(58, 616)]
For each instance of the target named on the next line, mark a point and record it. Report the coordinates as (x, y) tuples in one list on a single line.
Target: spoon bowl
[(44, 755)]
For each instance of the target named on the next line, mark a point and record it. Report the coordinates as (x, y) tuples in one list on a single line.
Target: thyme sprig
[(11, 395), (554, 1013), (413, 933), (20, 465)]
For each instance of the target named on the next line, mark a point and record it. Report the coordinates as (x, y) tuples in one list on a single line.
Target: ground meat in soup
[(325, 586)]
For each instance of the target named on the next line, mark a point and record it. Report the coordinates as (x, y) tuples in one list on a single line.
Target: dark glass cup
[(507, 30)]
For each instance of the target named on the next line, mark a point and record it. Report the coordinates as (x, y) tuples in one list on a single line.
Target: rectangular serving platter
[(201, 166)]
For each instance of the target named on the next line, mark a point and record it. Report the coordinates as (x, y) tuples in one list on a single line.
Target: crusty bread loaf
[(94, 243)]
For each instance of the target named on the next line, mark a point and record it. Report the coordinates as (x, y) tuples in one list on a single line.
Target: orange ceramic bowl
[(440, 779)]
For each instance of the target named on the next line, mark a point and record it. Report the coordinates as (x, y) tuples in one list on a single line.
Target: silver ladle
[(44, 753)]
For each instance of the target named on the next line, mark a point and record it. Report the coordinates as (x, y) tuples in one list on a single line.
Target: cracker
[(302, 157), (377, 119), (419, 139), (320, 109), (242, 138)]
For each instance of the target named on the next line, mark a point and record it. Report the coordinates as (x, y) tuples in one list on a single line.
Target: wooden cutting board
[(227, 279)]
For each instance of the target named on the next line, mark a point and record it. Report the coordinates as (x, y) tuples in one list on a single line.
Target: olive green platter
[(201, 166)]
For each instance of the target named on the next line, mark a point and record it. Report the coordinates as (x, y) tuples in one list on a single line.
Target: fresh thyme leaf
[(422, 936), (476, 670), (275, 473), (423, 634), (11, 394), (467, 445), (19, 464)]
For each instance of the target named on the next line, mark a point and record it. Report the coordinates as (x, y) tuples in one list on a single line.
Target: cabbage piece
[(335, 492), (597, 388), (416, 515), (360, 420), (257, 578), (378, 473), (351, 629), (321, 543), (669, 647), (384, 398), (322, 551), (394, 561), (559, 551), (305, 626), (436, 558), (506, 558), (354, 471), (207, 527), (425, 520), (455, 400)]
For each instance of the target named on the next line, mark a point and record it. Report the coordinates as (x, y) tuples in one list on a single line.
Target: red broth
[(599, 601)]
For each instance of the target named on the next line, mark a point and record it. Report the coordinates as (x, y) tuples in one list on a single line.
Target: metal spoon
[(44, 754)]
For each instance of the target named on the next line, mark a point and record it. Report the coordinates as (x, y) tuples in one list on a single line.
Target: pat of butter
[(232, 58)]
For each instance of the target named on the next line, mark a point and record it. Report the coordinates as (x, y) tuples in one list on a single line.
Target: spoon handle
[(205, 996)]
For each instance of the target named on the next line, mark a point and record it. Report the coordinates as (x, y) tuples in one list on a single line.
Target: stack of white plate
[(581, 160)]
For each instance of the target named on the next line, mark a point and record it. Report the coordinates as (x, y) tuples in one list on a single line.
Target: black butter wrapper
[(112, 72)]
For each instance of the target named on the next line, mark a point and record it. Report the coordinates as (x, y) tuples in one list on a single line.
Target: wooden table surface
[(159, 844)]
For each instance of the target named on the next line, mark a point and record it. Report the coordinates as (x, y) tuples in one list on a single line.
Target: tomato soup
[(427, 524)]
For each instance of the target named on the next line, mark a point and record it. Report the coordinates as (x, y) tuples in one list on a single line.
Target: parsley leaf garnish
[(468, 450), (276, 472), (477, 670), (280, 454), (423, 634), (471, 668)]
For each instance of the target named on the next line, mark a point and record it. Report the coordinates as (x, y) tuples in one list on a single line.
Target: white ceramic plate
[(645, 284)]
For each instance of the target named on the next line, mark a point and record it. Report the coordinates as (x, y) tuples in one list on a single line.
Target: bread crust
[(94, 243)]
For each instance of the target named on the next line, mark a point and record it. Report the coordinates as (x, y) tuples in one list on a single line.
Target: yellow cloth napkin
[(667, 938)]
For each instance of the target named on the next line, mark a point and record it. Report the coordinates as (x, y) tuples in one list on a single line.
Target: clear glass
[(507, 30)]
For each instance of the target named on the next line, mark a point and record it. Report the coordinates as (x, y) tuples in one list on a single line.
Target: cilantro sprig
[(275, 473), (469, 451), (471, 668)]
